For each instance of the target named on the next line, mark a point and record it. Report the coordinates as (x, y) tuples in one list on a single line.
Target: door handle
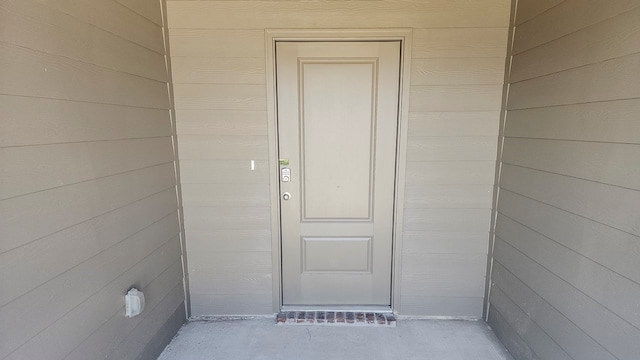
[(286, 196)]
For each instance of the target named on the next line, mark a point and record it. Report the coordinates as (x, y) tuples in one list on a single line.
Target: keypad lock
[(285, 174)]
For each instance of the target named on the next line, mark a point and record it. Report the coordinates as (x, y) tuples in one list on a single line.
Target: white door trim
[(405, 37)]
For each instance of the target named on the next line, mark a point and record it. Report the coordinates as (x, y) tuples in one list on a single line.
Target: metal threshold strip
[(351, 308)]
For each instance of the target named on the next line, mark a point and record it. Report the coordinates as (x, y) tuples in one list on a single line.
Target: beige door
[(337, 125)]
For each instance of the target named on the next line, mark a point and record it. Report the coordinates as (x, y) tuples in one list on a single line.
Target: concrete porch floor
[(262, 339)]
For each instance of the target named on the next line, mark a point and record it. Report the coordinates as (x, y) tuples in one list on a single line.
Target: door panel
[(337, 124), (347, 254), (331, 124)]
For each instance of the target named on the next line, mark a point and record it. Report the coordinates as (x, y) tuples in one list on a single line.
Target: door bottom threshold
[(336, 318), (347, 308)]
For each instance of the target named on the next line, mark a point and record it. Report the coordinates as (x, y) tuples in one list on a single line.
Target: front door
[(337, 128)]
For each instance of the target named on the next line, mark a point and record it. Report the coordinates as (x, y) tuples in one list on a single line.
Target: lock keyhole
[(285, 174)]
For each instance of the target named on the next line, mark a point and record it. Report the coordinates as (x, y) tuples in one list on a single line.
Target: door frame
[(404, 35)]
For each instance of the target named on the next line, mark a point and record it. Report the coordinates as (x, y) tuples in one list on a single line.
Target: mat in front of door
[(335, 318)]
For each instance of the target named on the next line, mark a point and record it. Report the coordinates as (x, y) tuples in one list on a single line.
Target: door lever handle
[(286, 196)]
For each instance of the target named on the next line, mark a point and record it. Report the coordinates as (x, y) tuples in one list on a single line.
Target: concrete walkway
[(262, 339)]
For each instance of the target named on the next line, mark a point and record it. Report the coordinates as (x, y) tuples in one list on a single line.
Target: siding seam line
[(88, 180), (568, 248), (159, 302), (89, 296), (90, 219), (106, 30), (575, 31), (538, 15), (548, 303), (573, 140), (89, 258), (83, 101), (528, 318), (116, 70), (567, 211), (575, 103), (85, 141), (119, 310), (139, 14), (572, 176), (513, 331), (576, 67), (569, 285)]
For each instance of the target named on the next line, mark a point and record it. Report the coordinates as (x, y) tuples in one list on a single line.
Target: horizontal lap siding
[(455, 101), (88, 203), (218, 65), (566, 276), (219, 84)]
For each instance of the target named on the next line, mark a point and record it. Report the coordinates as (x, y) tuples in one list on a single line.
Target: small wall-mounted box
[(133, 303)]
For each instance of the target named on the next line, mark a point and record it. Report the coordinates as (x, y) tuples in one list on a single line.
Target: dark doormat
[(336, 318)]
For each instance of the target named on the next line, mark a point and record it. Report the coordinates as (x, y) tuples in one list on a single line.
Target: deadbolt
[(285, 174), (286, 196)]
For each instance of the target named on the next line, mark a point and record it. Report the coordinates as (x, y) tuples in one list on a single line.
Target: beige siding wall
[(218, 58), (87, 198), (566, 276)]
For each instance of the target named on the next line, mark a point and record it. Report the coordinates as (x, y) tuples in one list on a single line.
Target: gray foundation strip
[(336, 318)]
